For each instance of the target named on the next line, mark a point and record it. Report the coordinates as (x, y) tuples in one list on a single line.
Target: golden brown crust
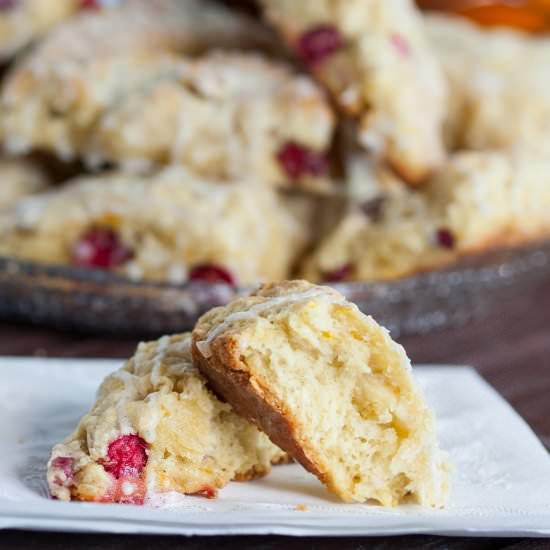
[(254, 402)]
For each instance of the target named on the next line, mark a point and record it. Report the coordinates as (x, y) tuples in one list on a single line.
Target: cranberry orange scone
[(171, 226), (499, 86), (23, 21), (478, 201), (156, 427), (54, 96), (223, 114), (373, 56), (328, 385), (19, 178)]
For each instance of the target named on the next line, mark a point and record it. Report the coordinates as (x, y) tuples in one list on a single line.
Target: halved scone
[(157, 427), (329, 386)]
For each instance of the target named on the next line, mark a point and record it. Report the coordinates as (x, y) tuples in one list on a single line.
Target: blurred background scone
[(478, 201), (172, 226), (23, 21), (131, 101), (374, 58), (222, 115), (20, 177), (499, 85)]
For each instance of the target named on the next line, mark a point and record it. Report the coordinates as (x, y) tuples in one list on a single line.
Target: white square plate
[(501, 484)]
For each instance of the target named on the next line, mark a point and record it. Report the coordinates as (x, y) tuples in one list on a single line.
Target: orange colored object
[(528, 15)]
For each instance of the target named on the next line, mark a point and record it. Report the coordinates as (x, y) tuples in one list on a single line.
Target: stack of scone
[(293, 371), (335, 139)]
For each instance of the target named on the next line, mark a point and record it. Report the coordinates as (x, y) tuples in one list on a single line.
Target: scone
[(374, 58), (53, 97), (157, 427), (499, 86), (171, 226), (327, 384), (23, 21), (19, 178), (222, 115), (478, 201)]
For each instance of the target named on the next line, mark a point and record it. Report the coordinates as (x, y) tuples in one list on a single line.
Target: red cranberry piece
[(211, 273), (101, 248), (339, 275), (318, 44), (65, 464), (127, 456), (7, 5), (400, 44), (298, 161), (445, 238)]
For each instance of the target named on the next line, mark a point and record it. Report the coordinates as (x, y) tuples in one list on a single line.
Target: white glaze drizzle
[(149, 430), (124, 423), (159, 359), (129, 379), (126, 378), (255, 310)]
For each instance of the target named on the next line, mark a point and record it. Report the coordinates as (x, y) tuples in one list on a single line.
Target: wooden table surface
[(510, 348)]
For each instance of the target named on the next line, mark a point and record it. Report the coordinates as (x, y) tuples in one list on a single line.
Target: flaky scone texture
[(22, 22), (477, 202), (499, 85), (54, 96), (223, 114), (157, 427), (168, 223), (19, 178), (374, 58), (328, 385)]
